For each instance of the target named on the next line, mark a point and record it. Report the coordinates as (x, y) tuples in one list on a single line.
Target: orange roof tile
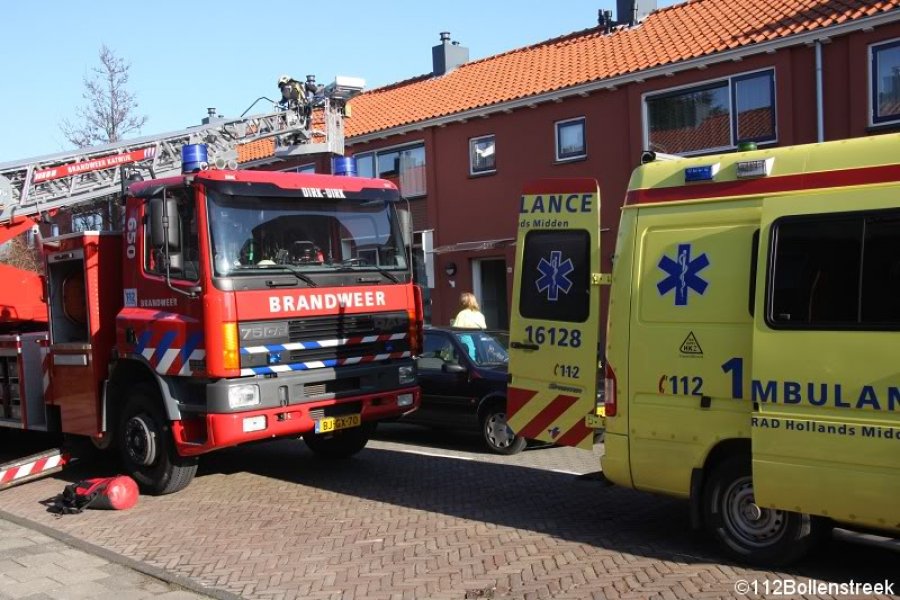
[(251, 151), (692, 29)]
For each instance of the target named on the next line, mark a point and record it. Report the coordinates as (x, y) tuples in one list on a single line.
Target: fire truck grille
[(346, 351), (336, 410), (363, 337), (347, 326), (338, 386)]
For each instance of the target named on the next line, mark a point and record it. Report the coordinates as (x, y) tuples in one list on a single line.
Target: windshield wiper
[(382, 270), (301, 276)]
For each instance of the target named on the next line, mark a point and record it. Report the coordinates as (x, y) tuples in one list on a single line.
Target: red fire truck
[(234, 306)]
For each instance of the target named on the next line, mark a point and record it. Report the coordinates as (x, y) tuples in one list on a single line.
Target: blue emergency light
[(701, 173), (194, 157)]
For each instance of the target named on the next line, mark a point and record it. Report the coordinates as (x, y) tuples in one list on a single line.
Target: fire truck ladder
[(44, 184)]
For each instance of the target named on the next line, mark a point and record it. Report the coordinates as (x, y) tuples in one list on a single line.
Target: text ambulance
[(752, 341)]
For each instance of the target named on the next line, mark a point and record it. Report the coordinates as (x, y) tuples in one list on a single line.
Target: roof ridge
[(427, 76), (691, 29), (390, 86)]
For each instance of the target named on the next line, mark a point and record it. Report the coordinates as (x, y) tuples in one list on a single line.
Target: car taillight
[(609, 392)]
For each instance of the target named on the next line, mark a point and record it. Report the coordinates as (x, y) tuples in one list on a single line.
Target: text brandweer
[(325, 301)]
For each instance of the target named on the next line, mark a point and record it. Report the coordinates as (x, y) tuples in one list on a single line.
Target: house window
[(836, 272), (365, 164), (404, 166), (714, 116), (570, 139), (886, 82), (87, 222), (482, 155)]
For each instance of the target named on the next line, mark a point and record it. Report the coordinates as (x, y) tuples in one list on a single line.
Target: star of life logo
[(554, 275), (682, 274)]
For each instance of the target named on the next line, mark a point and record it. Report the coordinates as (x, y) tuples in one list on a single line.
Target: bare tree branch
[(109, 112), (108, 115), (16, 253)]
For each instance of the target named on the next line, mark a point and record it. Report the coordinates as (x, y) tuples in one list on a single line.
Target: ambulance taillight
[(609, 392)]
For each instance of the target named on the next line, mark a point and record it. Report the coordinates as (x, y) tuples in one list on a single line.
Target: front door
[(489, 286), (446, 397), (554, 330)]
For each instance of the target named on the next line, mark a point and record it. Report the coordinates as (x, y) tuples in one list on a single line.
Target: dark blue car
[(463, 377)]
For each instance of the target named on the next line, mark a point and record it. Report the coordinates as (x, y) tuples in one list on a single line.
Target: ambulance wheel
[(500, 439), (343, 443), (749, 532), (146, 446)]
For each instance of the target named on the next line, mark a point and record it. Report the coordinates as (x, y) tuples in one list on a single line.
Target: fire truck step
[(32, 467)]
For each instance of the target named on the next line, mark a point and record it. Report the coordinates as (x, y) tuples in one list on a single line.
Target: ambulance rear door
[(555, 322)]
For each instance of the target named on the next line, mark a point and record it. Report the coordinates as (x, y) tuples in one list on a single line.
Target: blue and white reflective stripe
[(321, 343), (195, 355), (318, 364)]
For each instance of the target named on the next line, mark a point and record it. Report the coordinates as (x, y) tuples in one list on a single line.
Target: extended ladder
[(44, 184)]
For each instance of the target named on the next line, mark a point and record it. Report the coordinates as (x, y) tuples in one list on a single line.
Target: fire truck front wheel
[(339, 444), (750, 532), (146, 445)]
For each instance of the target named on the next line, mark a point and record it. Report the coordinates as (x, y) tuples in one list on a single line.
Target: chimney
[(632, 12), (211, 116), (447, 55)]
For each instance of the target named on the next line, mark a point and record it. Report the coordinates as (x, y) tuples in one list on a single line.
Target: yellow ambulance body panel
[(752, 342)]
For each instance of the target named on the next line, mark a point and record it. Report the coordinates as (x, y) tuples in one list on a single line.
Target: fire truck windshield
[(251, 234)]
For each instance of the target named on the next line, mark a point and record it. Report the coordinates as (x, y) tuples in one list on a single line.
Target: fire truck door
[(74, 380)]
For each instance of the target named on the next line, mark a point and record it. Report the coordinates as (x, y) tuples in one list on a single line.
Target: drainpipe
[(820, 116)]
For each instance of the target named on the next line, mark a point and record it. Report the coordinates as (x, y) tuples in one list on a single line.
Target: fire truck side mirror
[(165, 226)]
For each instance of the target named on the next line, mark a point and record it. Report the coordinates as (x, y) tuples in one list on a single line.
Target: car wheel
[(499, 438), (747, 531), (339, 444)]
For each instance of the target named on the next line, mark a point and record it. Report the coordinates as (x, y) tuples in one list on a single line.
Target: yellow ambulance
[(752, 343)]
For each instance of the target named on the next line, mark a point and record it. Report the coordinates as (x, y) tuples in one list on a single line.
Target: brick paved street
[(411, 520)]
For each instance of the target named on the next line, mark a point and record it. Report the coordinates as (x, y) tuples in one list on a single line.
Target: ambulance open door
[(555, 320)]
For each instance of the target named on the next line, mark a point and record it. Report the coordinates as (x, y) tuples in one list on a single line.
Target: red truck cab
[(235, 306)]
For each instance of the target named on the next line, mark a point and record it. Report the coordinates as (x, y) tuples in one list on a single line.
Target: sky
[(186, 56)]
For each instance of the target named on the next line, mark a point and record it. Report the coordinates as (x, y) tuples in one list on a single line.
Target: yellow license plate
[(334, 423), (595, 422), (601, 410)]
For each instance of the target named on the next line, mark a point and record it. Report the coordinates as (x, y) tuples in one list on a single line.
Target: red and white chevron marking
[(32, 466), (45, 368)]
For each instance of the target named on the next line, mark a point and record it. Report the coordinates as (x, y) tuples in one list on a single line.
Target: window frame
[(875, 120), (734, 80), (472, 142), (863, 216), (399, 148), (729, 84), (307, 168), (557, 126)]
